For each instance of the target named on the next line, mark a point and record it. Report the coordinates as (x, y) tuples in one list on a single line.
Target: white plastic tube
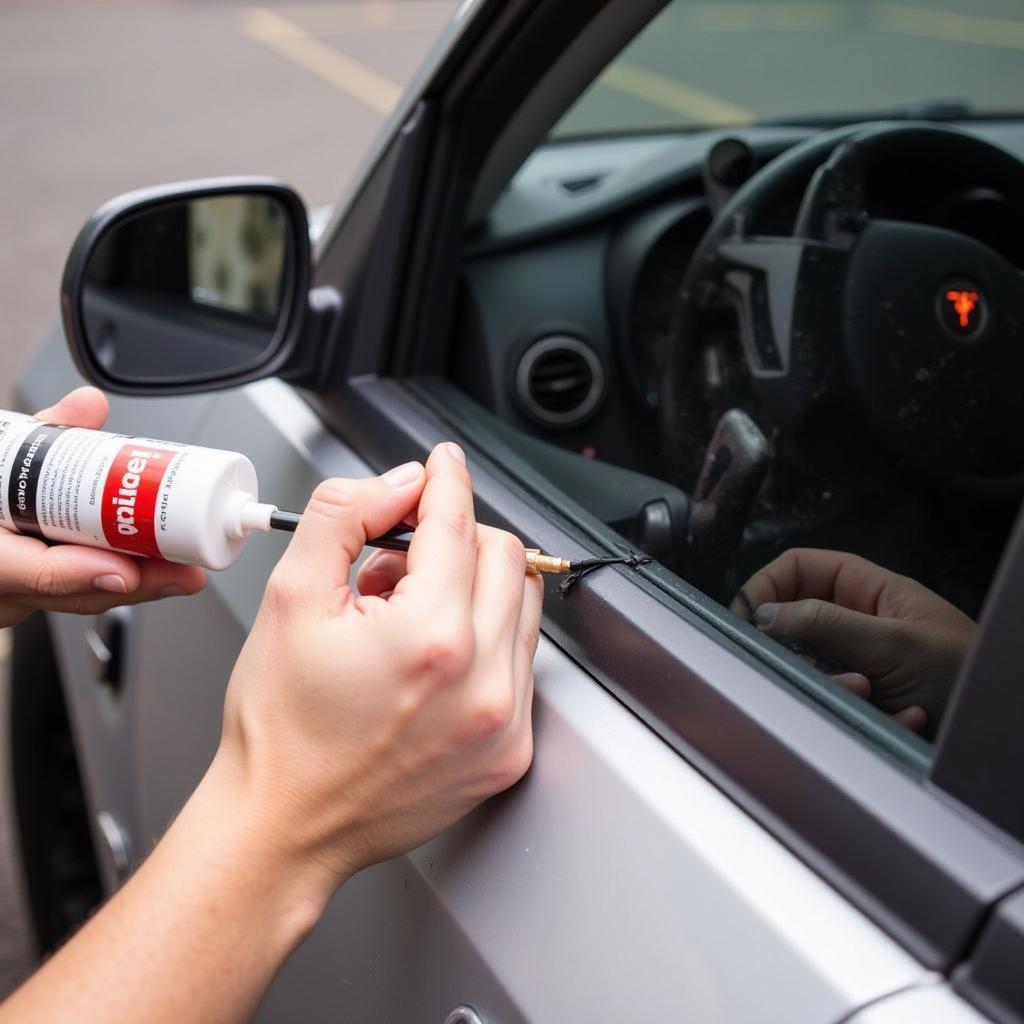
[(134, 494)]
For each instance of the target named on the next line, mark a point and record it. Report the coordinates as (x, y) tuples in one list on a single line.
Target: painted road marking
[(661, 91), (341, 71), (950, 26), (364, 17)]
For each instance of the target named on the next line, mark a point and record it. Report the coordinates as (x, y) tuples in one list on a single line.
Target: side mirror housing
[(194, 287)]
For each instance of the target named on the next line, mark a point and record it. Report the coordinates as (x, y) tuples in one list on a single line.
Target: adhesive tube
[(134, 494)]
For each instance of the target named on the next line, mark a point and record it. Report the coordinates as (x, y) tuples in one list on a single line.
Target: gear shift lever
[(731, 475)]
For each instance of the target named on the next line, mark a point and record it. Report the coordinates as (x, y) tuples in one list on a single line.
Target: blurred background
[(101, 96)]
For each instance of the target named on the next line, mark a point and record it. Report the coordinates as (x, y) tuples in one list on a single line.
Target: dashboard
[(569, 284)]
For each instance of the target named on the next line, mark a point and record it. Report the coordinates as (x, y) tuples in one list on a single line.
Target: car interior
[(728, 342)]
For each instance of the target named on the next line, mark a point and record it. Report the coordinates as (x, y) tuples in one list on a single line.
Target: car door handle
[(463, 1015), (105, 641)]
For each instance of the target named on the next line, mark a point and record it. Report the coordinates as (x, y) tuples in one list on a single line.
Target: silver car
[(720, 347)]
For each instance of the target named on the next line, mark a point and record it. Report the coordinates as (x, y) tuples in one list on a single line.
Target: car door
[(696, 838), (615, 876)]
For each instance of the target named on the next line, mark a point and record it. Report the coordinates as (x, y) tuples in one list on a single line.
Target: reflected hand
[(74, 578), (894, 641)]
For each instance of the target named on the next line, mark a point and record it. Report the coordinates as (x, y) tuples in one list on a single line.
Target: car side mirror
[(191, 287)]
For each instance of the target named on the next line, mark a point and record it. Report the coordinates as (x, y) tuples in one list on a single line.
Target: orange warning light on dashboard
[(964, 304)]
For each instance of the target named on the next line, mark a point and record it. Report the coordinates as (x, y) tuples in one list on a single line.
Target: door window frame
[(979, 751)]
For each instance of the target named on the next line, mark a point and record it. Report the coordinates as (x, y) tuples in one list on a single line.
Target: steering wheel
[(922, 326)]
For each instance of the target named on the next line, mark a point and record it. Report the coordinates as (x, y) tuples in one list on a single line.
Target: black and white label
[(23, 482)]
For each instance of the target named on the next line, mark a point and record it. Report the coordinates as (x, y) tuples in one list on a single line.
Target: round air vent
[(559, 381)]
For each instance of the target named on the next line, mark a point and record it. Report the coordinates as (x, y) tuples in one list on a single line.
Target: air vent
[(579, 183), (575, 186), (559, 381)]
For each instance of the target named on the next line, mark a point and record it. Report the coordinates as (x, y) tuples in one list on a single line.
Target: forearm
[(197, 933)]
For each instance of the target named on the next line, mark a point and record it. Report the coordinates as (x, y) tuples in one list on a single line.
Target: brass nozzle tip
[(536, 562)]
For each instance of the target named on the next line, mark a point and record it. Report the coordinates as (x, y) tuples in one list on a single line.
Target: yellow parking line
[(948, 25), (346, 74), (661, 91)]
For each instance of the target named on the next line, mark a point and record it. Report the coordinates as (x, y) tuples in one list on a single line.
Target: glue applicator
[(158, 499)]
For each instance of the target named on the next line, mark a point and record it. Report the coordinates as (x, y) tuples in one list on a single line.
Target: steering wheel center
[(934, 350)]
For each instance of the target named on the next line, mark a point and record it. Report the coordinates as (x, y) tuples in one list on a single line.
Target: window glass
[(734, 62), (818, 428)]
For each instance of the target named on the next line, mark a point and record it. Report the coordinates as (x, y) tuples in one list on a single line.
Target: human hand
[(895, 642), (357, 727), (74, 578)]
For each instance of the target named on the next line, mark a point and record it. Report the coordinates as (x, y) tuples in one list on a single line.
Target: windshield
[(737, 62)]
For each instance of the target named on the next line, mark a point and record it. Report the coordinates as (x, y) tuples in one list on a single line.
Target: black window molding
[(979, 752)]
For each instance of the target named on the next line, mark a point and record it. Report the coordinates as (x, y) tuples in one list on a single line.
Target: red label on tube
[(130, 496)]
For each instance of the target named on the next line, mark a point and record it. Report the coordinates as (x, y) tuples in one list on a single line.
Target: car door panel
[(935, 1003), (615, 876), (613, 880), (186, 648)]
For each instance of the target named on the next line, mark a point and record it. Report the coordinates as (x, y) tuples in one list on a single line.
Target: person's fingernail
[(766, 614), (173, 590), (741, 606), (402, 475), (456, 452), (111, 582)]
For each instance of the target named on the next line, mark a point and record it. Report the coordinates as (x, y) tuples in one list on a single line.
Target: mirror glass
[(188, 289)]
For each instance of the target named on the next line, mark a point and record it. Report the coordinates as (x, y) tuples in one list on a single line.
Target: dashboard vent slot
[(559, 381), (574, 186)]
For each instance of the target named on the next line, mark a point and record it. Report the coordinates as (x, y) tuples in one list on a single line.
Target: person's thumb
[(849, 640), (338, 520), (83, 407)]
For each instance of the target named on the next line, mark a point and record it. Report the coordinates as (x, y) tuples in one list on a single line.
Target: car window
[(725, 63), (842, 483)]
